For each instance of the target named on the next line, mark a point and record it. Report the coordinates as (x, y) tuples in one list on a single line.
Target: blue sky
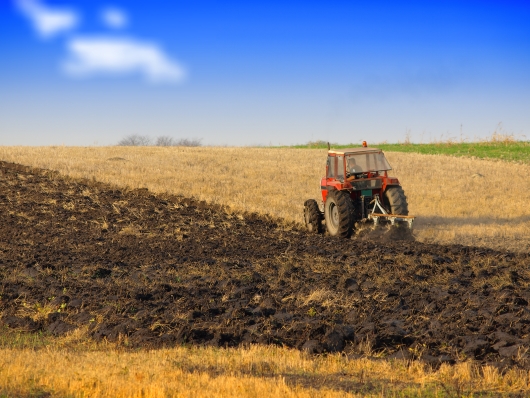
[(260, 73)]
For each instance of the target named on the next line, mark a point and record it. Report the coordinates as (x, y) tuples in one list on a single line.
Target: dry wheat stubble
[(457, 200), (254, 372)]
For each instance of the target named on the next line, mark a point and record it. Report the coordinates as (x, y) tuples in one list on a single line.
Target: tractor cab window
[(365, 162), (330, 166), (335, 166), (340, 168)]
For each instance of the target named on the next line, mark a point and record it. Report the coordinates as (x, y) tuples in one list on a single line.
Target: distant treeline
[(144, 140)]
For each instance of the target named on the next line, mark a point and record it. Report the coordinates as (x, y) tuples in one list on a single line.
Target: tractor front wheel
[(339, 214), (395, 201), (312, 216)]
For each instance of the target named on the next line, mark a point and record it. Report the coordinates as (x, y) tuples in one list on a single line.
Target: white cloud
[(89, 56), (48, 21), (118, 56), (114, 18)]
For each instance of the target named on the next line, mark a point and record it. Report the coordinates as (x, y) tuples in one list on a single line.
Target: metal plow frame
[(393, 218)]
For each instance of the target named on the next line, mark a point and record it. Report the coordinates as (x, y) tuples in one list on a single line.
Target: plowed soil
[(152, 270)]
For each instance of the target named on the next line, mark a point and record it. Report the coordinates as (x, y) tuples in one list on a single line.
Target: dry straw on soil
[(456, 200), (70, 368)]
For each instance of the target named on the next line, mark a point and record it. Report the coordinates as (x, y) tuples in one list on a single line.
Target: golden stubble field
[(456, 200), (73, 366)]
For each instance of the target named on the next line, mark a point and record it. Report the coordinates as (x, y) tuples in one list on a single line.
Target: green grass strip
[(512, 151)]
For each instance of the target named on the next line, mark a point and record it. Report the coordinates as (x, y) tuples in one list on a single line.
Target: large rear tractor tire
[(339, 214), (312, 216), (395, 201)]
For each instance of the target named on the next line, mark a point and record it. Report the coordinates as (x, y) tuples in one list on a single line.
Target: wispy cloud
[(90, 56), (102, 55), (114, 18), (47, 21)]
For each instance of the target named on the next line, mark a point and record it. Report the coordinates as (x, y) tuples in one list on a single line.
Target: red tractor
[(356, 188)]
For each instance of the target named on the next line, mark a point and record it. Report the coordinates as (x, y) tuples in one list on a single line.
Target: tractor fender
[(328, 185), (390, 182)]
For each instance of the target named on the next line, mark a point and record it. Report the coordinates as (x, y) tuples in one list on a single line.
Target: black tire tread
[(396, 200), (315, 216), (346, 214)]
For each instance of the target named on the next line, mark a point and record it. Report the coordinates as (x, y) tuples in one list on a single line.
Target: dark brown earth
[(157, 270)]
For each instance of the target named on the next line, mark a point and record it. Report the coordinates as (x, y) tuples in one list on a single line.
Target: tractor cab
[(357, 169), (357, 163)]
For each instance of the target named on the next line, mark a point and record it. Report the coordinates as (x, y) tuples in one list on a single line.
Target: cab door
[(331, 169)]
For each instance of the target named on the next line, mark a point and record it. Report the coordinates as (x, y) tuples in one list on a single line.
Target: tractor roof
[(354, 150)]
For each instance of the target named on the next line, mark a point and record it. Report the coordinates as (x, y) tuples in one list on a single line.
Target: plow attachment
[(378, 214)]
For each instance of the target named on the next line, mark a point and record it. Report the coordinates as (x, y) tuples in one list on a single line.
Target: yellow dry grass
[(456, 200), (68, 367)]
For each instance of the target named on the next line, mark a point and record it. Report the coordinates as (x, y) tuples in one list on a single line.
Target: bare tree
[(188, 142), (135, 140), (165, 141)]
